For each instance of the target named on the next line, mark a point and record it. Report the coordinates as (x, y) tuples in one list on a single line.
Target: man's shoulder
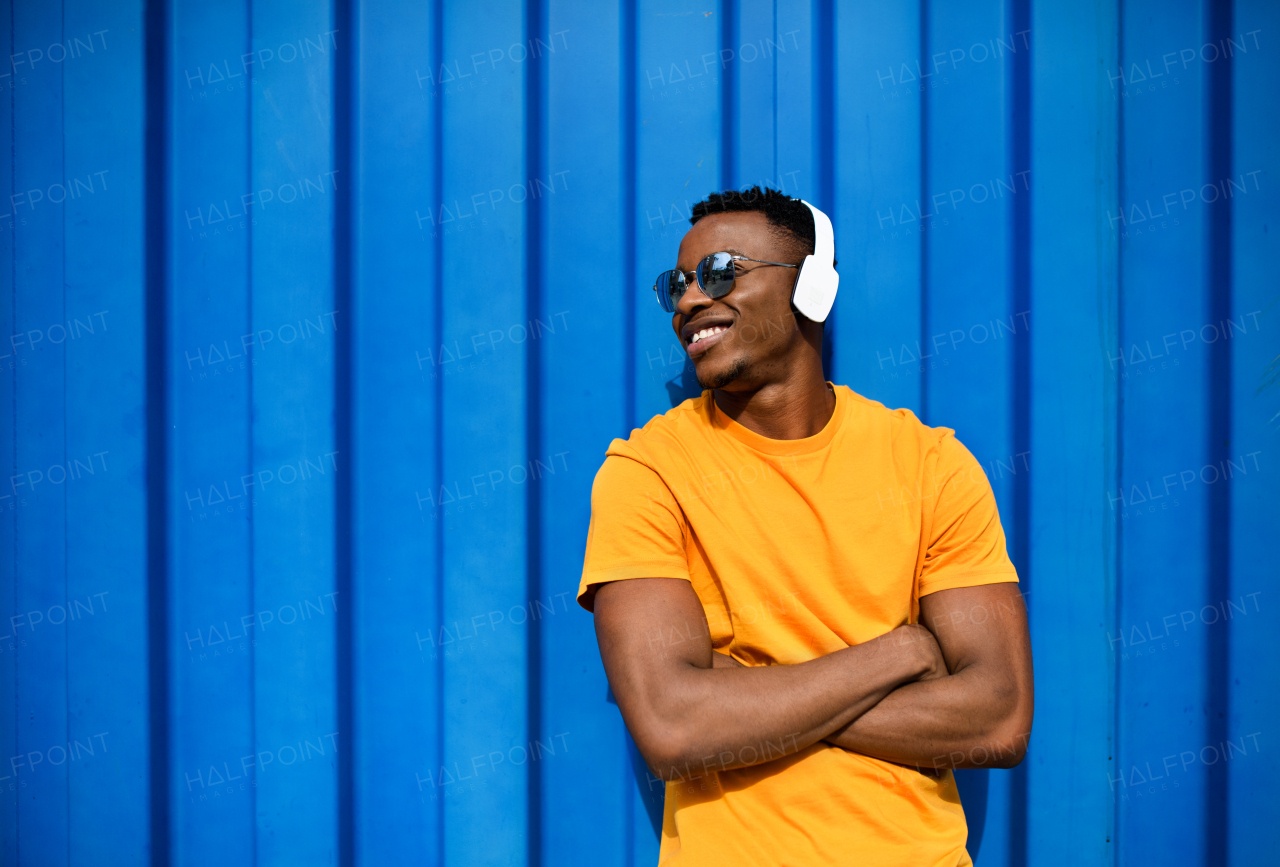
[(899, 423), (672, 430)]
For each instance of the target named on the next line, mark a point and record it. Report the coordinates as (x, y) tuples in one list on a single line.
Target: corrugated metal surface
[(322, 315)]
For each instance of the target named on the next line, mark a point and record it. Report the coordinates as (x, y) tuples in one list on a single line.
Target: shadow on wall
[(653, 792), (684, 386), (973, 797)]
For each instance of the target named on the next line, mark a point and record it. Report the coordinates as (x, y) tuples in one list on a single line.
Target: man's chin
[(721, 377)]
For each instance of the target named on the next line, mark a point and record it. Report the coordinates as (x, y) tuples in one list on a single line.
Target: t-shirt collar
[(760, 443)]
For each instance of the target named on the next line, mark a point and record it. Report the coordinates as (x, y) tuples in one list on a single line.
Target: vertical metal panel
[(795, 33), (292, 410), (1254, 265), (212, 638), (969, 170), (1163, 677), (682, 66), (385, 393), (9, 573), (485, 418), (1073, 433), (74, 679), (105, 379), (396, 379), (755, 110), (40, 543), (878, 200)]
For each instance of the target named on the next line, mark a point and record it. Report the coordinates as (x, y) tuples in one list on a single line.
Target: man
[(803, 600)]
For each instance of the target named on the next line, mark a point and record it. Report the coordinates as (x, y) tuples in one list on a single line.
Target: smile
[(705, 333)]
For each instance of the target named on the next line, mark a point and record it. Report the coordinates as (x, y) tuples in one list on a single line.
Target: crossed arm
[(955, 694)]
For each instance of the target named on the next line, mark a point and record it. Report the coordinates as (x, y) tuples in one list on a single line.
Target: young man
[(802, 599)]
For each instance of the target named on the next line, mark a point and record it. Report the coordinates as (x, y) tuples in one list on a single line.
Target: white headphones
[(817, 281)]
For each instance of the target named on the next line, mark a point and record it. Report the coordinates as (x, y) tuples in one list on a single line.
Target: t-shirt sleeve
[(966, 544), (637, 529)]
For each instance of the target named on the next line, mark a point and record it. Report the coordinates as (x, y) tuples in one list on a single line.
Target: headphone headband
[(824, 244)]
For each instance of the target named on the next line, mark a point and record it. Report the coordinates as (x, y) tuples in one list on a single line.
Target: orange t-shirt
[(797, 548)]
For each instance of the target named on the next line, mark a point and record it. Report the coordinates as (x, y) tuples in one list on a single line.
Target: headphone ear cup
[(815, 290), (816, 284)]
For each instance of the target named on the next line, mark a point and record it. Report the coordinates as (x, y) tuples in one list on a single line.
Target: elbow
[(666, 755), (1004, 743), (681, 751), (1009, 752), (999, 742), (669, 730), (1008, 746), (666, 747), (998, 748)]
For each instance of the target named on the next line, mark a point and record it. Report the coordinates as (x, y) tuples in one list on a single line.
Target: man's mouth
[(705, 333), (704, 339)]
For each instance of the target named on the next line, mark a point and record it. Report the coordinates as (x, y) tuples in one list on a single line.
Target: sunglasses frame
[(697, 273)]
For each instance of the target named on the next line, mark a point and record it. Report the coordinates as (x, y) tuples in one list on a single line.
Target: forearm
[(964, 720), (710, 716)]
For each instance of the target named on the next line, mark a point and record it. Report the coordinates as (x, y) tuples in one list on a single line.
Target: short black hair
[(790, 218)]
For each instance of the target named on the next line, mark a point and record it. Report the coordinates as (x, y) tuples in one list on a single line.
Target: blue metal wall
[(319, 316)]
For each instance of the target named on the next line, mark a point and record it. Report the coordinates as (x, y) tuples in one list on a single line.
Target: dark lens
[(715, 275), (670, 287)]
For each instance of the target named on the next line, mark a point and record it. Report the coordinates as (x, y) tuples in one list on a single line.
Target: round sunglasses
[(715, 276)]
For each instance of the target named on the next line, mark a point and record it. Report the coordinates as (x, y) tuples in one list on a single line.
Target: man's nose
[(693, 299)]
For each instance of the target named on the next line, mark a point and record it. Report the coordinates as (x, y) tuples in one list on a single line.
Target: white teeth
[(706, 332)]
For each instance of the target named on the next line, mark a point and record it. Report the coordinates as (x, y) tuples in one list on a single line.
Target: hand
[(981, 714), (920, 643)]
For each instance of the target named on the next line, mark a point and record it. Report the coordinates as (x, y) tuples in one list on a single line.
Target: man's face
[(757, 329)]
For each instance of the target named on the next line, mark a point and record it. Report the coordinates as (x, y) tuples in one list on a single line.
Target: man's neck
[(799, 406)]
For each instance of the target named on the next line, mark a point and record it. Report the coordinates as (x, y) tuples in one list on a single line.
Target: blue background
[(319, 317)]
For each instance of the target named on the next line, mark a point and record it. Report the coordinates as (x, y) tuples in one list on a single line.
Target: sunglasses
[(715, 276)]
